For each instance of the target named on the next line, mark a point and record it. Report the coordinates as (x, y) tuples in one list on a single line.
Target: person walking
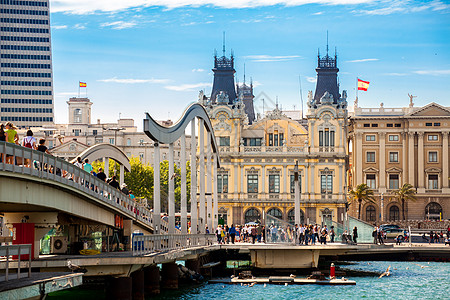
[(355, 234), (232, 232), (11, 137), (332, 234)]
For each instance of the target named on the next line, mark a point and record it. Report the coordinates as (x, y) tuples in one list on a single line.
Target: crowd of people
[(302, 234)]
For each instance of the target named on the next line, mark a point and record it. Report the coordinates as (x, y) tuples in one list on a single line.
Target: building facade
[(256, 177), (26, 63), (393, 146)]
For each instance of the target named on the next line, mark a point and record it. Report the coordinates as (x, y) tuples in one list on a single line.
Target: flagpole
[(79, 89), (357, 89)]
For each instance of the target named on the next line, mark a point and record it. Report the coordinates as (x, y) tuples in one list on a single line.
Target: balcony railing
[(52, 168)]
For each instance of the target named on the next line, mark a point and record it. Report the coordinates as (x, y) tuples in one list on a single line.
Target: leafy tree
[(362, 193), (406, 193), (140, 179)]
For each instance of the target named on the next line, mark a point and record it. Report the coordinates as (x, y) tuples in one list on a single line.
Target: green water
[(407, 281)]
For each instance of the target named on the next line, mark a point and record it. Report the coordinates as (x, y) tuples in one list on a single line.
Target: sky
[(155, 56)]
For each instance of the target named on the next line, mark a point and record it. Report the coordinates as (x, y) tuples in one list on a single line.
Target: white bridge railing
[(49, 167), (19, 250), (146, 244)]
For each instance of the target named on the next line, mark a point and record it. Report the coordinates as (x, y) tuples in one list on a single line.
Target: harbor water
[(408, 280)]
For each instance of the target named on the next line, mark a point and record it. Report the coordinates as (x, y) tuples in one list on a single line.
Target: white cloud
[(318, 13), (270, 58), (433, 72), (59, 27), (118, 25), (402, 6), (133, 81), (395, 74), (198, 70), (187, 87), (311, 79), (79, 26), (362, 60), (89, 6)]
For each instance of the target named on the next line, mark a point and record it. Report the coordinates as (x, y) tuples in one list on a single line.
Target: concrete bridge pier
[(152, 280), (193, 264), (169, 274), (138, 285), (120, 288)]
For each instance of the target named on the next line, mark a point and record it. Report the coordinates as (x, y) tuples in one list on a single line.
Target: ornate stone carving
[(222, 98), (327, 99)]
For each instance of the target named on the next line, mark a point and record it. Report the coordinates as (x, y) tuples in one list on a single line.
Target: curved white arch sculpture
[(169, 135), (104, 150)]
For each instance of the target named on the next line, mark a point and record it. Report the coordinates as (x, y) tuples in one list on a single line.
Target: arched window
[(371, 213), (394, 213), (252, 215), (291, 217), (222, 216), (77, 115), (275, 212), (433, 211)]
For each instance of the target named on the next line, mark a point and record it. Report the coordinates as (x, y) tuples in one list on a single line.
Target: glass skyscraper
[(26, 63)]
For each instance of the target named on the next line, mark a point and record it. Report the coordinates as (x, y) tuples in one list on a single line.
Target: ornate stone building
[(393, 146), (256, 177)]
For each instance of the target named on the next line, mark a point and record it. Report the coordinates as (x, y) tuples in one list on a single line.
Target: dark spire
[(223, 76), (327, 77)]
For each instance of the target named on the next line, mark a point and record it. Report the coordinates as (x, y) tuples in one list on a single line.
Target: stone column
[(209, 219), (263, 182), (286, 191), (171, 198), (311, 130), (411, 169), (138, 285), (420, 164), (201, 180), (445, 173), (169, 274), (341, 138), (359, 160), (183, 185), (297, 195), (404, 164), (151, 280), (215, 193), (313, 176), (341, 185), (156, 191), (382, 162), (242, 180)]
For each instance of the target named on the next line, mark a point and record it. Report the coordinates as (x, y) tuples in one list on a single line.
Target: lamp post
[(115, 129), (144, 143)]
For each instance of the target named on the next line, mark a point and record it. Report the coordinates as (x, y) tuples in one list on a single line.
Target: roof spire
[(223, 49), (327, 42), (244, 73)]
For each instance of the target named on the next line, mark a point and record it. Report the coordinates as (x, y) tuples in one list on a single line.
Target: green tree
[(140, 179), (406, 193), (362, 193)]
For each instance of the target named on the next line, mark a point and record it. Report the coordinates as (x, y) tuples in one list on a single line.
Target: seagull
[(285, 284), (252, 284), (386, 273), (422, 266), (265, 285), (292, 276), (75, 268)]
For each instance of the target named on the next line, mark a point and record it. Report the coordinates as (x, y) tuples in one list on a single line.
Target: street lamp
[(144, 143), (115, 129)]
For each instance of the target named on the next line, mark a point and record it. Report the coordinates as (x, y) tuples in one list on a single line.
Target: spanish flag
[(83, 84), (363, 85)]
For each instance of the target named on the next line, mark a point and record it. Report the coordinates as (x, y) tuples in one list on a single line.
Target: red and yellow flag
[(363, 85), (83, 84)]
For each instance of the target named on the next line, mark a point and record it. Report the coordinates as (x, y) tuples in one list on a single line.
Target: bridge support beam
[(138, 285), (169, 276), (122, 175), (193, 264), (171, 192), (120, 288), (194, 202), (201, 181), (183, 184), (106, 161), (209, 185), (156, 191), (152, 280)]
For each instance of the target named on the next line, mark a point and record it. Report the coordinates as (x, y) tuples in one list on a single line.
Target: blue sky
[(155, 55)]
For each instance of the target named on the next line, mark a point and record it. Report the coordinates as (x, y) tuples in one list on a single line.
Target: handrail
[(19, 250), (146, 244), (52, 168)]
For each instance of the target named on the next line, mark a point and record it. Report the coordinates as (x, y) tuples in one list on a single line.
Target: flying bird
[(386, 273)]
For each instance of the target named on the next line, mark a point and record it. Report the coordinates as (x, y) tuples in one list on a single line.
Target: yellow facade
[(257, 163)]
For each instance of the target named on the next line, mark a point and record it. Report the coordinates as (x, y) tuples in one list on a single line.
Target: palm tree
[(405, 193), (361, 193)]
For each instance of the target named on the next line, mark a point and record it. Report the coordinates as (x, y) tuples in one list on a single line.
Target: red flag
[(363, 85), (83, 84)]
